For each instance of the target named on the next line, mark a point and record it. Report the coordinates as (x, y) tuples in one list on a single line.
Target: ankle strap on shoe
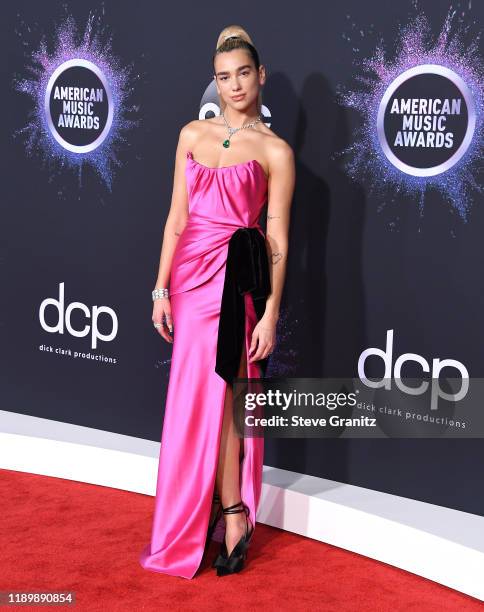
[(236, 508)]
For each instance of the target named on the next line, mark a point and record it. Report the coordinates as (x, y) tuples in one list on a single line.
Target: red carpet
[(63, 535)]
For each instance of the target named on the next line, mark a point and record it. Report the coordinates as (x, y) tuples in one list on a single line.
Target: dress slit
[(219, 532)]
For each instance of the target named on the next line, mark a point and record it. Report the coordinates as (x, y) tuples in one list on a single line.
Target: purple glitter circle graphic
[(457, 179), (90, 50)]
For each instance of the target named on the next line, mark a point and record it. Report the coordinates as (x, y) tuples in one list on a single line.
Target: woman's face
[(236, 78)]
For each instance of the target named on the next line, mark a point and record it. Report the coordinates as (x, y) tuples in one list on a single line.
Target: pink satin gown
[(220, 201)]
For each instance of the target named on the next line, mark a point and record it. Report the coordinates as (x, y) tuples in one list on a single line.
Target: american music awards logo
[(425, 136), (422, 115), (79, 106), (80, 93)]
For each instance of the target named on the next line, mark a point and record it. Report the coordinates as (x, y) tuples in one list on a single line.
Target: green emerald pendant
[(226, 143)]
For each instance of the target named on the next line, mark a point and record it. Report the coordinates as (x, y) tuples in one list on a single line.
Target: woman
[(226, 282)]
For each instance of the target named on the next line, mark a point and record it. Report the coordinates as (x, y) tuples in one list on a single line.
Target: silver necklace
[(226, 143)]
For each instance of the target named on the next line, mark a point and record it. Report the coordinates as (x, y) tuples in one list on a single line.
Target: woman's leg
[(228, 482)]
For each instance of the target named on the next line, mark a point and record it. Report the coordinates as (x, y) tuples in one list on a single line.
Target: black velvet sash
[(247, 270)]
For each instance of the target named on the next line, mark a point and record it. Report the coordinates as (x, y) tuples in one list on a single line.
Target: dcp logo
[(396, 371), (64, 319)]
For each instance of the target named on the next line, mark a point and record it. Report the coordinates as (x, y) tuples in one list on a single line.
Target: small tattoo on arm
[(177, 233), (276, 257), (273, 217)]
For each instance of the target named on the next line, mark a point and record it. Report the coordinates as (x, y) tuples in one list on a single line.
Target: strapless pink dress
[(220, 202)]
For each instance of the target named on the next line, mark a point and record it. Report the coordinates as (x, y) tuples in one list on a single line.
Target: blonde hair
[(235, 37)]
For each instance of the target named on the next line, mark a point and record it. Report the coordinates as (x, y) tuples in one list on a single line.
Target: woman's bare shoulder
[(278, 150), (192, 130), (189, 130)]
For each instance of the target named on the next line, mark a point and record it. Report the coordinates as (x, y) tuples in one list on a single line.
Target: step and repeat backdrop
[(382, 104)]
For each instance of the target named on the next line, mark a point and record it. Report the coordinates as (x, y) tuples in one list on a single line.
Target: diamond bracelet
[(159, 293)]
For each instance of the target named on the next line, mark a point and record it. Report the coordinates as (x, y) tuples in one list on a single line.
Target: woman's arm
[(174, 226), (282, 177), (178, 214)]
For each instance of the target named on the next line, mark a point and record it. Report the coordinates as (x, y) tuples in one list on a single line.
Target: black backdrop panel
[(361, 262)]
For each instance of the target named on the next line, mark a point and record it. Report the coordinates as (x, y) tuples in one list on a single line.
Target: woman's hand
[(162, 314), (263, 337)]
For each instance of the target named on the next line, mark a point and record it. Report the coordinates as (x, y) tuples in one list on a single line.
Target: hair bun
[(233, 31)]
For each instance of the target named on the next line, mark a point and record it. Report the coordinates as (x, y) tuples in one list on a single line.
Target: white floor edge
[(443, 545)]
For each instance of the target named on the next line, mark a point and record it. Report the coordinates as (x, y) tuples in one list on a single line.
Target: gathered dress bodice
[(220, 201)]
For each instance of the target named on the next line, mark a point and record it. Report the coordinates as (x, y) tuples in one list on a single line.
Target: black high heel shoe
[(233, 563), (218, 514)]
